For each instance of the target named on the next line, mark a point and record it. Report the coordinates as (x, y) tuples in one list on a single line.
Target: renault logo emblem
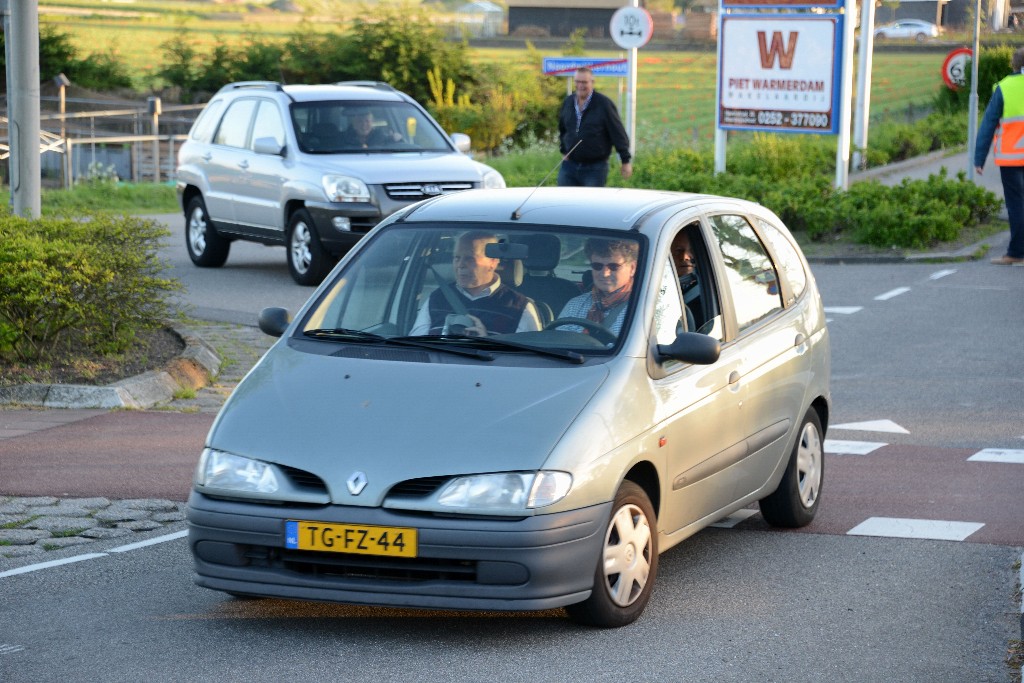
[(356, 483), (431, 189)]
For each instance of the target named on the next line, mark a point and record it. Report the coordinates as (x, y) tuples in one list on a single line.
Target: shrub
[(94, 281)]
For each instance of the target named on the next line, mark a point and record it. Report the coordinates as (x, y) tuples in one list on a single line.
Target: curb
[(191, 370), (962, 254)]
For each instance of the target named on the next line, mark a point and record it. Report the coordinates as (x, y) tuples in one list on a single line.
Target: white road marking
[(92, 556), (836, 447), (933, 529), (52, 563), (843, 310), (891, 293), (734, 519), (6, 649), (1010, 455), (940, 274), (152, 541), (873, 426)]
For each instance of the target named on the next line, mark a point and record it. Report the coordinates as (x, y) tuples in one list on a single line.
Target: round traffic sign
[(631, 27), (954, 68)]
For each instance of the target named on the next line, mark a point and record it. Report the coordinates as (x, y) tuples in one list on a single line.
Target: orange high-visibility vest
[(1008, 146)]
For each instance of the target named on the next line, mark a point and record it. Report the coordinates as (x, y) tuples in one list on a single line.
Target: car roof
[(348, 90), (606, 207)]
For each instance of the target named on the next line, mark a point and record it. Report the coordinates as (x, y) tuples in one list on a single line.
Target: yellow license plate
[(391, 541)]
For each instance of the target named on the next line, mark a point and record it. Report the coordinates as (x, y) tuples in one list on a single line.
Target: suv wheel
[(205, 247), (307, 260)]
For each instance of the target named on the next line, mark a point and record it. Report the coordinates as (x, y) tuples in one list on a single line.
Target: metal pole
[(972, 106), (6, 11), (843, 144), (631, 113), (721, 135), (862, 114), (24, 116)]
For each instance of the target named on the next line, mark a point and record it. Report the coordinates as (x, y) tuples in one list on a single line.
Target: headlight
[(493, 180), (343, 188), (506, 490), (221, 470)]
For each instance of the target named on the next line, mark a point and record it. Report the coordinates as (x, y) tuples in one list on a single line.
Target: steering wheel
[(596, 330)]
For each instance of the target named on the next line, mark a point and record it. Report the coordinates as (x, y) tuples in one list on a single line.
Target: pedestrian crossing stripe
[(873, 426), (1009, 455), (843, 310), (735, 518), (930, 529)]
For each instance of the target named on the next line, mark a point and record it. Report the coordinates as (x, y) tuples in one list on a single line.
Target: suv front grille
[(410, 192)]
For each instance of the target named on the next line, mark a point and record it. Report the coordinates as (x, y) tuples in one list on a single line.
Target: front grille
[(419, 488), (413, 192), (303, 479), (363, 567)]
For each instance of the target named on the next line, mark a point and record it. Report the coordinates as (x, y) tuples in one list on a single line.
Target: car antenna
[(515, 214)]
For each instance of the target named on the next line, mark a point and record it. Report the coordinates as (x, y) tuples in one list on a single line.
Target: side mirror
[(462, 142), (267, 146), (274, 321), (691, 347)]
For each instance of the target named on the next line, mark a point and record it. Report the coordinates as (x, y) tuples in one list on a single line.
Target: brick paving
[(31, 526)]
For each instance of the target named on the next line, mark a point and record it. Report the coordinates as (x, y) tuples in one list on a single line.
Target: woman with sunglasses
[(613, 265)]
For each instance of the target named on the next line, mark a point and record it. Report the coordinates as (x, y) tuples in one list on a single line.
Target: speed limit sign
[(954, 68)]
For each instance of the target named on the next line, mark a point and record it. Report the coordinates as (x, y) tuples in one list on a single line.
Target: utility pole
[(23, 114)]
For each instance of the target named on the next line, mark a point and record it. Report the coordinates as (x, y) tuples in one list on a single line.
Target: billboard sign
[(780, 72)]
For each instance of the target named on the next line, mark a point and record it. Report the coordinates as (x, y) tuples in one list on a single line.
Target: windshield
[(360, 127), (536, 287)]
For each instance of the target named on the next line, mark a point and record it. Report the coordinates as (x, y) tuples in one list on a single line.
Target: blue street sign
[(601, 66)]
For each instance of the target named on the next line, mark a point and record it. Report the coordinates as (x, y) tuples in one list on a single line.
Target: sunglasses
[(598, 267)]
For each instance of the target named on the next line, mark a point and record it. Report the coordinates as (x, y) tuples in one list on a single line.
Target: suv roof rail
[(262, 85), (379, 85)]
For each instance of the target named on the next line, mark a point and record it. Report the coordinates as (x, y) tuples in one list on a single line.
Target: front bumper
[(531, 563)]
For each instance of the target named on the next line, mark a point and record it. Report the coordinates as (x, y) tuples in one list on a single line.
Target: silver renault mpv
[(313, 168), (515, 400)]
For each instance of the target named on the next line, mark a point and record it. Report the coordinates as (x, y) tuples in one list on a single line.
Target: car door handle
[(800, 340), (734, 377), (207, 156), (244, 165)]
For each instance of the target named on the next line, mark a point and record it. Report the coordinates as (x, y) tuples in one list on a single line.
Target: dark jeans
[(1013, 194), (583, 175)]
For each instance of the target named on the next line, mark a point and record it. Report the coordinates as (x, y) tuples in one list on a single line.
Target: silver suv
[(313, 168)]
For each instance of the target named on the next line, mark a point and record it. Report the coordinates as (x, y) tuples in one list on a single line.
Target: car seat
[(540, 283)]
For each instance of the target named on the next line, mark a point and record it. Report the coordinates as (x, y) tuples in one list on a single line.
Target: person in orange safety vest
[(1004, 120)]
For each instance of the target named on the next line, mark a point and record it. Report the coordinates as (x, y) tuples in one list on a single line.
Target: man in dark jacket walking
[(588, 128)]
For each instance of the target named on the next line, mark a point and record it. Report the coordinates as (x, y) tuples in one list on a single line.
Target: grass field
[(675, 89)]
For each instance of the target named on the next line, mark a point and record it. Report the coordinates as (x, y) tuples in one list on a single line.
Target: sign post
[(631, 27)]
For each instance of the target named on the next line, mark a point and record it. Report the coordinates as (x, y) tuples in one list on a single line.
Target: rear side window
[(750, 273), (234, 127), (202, 131)]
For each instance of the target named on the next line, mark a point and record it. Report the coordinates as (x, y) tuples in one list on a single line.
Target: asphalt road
[(929, 352)]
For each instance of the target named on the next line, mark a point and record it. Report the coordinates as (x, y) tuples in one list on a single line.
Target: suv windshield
[(549, 288), (334, 126)]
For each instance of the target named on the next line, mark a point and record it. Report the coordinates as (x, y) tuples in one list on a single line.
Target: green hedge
[(93, 282)]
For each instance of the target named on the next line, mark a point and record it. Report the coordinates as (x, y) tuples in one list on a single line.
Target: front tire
[(206, 247), (308, 262), (795, 502), (625, 573)]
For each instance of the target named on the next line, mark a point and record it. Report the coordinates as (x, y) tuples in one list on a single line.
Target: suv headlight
[(221, 470), (343, 188), (506, 490), (493, 180)]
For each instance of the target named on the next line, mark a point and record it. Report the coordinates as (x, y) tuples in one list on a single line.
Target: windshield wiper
[(490, 342), (343, 334)]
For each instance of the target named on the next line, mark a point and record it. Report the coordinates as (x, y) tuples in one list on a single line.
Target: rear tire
[(206, 248), (795, 502), (308, 262), (628, 565)]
